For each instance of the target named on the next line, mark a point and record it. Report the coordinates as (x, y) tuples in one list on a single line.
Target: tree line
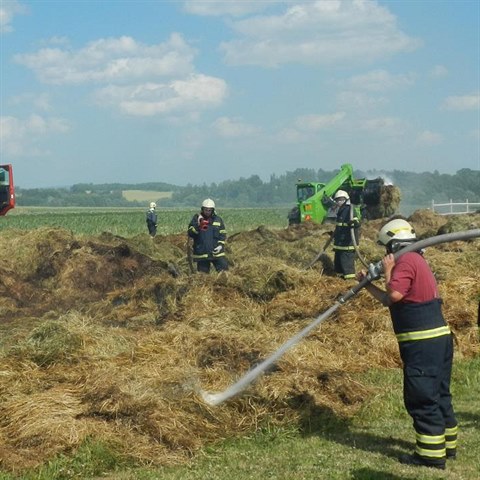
[(279, 190)]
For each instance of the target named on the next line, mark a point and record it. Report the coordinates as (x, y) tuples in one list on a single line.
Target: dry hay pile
[(390, 197), (112, 338)]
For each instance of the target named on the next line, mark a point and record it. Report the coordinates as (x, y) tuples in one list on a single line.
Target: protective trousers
[(426, 348), (427, 371)]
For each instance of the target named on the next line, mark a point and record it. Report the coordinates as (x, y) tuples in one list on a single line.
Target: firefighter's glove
[(200, 220), (217, 249), (353, 223)]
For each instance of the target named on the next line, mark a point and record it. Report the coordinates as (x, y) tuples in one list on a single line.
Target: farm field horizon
[(130, 221)]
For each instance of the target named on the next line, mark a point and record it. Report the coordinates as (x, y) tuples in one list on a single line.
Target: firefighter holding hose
[(343, 246), (425, 343)]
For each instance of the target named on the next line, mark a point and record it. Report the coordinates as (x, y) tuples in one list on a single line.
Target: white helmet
[(153, 205), (399, 230), (341, 194), (208, 203)]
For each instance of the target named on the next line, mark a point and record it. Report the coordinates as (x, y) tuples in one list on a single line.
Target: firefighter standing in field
[(343, 247), (425, 343), (151, 219), (208, 233)]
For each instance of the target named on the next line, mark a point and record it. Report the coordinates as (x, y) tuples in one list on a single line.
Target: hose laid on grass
[(374, 272)]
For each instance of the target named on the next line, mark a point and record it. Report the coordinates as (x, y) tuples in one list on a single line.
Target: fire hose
[(354, 239), (374, 272)]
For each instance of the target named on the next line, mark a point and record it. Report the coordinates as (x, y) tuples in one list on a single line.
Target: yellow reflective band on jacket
[(193, 229), (216, 224), (431, 453), (339, 247), (423, 334), (430, 439), (205, 255), (341, 224)]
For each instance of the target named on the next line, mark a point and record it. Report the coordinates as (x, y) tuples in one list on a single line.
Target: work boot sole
[(416, 461)]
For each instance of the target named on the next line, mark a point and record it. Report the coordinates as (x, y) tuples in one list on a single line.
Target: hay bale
[(389, 201)]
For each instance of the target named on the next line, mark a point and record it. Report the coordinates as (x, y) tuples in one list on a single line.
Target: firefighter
[(152, 219), (208, 233), (343, 247), (425, 344)]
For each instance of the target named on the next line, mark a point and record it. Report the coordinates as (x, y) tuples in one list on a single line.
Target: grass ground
[(365, 447)]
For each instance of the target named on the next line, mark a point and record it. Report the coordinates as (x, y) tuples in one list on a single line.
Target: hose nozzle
[(374, 271)]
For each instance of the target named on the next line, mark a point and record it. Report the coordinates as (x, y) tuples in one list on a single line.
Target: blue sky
[(200, 92)]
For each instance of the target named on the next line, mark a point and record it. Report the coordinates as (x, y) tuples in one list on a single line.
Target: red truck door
[(7, 189)]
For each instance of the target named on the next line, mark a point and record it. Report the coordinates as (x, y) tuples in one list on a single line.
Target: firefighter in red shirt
[(425, 343)]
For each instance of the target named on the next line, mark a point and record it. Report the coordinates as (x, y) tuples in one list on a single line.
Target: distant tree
[(279, 190)]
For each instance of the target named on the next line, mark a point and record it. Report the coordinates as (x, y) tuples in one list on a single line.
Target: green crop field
[(129, 222)]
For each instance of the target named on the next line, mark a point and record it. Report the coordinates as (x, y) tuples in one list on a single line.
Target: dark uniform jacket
[(342, 236), (151, 217), (207, 236)]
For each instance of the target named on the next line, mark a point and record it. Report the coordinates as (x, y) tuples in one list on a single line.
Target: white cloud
[(21, 136), (196, 92), (222, 7), (41, 101), (312, 123), (318, 32), (290, 135), (384, 125), (429, 138), (111, 60), (439, 71), (234, 128), (462, 102), (359, 100), (8, 9), (64, 41), (379, 81)]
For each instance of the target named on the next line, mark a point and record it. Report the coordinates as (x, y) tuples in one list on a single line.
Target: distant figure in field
[(152, 219), (208, 233)]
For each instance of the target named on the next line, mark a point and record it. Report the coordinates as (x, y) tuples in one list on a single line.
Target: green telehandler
[(371, 198)]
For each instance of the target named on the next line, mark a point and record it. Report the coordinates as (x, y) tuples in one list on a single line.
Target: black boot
[(418, 461)]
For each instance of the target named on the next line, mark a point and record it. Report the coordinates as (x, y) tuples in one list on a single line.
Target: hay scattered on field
[(111, 338)]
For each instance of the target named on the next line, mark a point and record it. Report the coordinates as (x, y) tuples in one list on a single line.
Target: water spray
[(374, 272)]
